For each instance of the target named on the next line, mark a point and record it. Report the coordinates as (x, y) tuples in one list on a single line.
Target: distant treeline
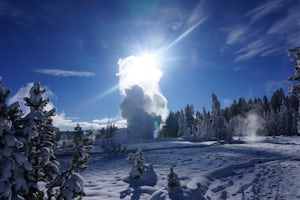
[(275, 116)]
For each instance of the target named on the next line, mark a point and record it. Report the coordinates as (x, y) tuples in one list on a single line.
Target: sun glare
[(143, 70)]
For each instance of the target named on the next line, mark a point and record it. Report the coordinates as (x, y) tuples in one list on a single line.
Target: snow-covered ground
[(266, 169)]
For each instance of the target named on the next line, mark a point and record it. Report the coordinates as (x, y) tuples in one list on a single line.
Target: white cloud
[(67, 123), (235, 34), (253, 49), (61, 120), (265, 9), (289, 27), (271, 37), (64, 73), (196, 13), (19, 96)]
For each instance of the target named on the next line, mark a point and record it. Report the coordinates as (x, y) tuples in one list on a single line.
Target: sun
[(145, 69), (139, 70)]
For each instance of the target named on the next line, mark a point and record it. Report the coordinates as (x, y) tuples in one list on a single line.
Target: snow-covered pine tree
[(272, 123), (137, 162), (190, 121), (173, 179), (12, 162), (284, 127), (294, 53), (182, 127), (69, 184), (218, 127), (198, 126), (39, 141), (141, 172)]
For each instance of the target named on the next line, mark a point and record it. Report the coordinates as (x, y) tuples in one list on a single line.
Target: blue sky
[(234, 48)]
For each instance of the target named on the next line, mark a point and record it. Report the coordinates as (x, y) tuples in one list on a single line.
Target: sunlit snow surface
[(266, 169)]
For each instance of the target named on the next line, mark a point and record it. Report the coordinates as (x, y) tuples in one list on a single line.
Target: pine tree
[(276, 100), (266, 105), (69, 184), (206, 126), (39, 142), (218, 127), (173, 179), (137, 162), (272, 123), (12, 162), (294, 55), (284, 127), (28, 168), (182, 127), (190, 121), (170, 128)]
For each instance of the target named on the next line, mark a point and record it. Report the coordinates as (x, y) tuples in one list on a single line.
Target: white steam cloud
[(143, 104), (249, 126)]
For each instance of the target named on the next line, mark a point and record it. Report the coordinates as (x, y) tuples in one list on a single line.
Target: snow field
[(268, 169)]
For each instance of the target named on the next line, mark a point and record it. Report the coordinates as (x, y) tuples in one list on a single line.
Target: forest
[(272, 117)]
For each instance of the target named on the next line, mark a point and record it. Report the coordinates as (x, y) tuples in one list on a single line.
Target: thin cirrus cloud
[(264, 10), (65, 73), (269, 38)]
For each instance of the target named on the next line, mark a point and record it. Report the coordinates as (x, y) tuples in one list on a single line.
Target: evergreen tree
[(190, 120), (276, 100), (243, 107), (28, 168), (272, 123), (181, 124), (12, 162), (173, 179), (234, 111), (257, 106), (266, 104), (284, 127), (39, 143), (294, 102), (69, 184), (218, 127), (206, 126), (170, 128)]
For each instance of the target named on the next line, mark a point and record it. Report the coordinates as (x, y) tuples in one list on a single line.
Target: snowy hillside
[(266, 169)]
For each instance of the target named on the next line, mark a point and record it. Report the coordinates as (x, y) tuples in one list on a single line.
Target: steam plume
[(143, 105)]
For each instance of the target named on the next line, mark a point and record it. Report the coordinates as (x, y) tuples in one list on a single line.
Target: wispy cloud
[(289, 27), (264, 10), (259, 47), (260, 39), (64, 73), (235, 34), (26, 16)]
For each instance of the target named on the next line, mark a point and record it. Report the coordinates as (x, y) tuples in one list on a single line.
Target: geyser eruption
[(143, 105), (249, 126)]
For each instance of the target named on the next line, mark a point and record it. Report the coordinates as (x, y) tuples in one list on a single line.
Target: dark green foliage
[(170, 128), (173, 180), (276, 99)]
